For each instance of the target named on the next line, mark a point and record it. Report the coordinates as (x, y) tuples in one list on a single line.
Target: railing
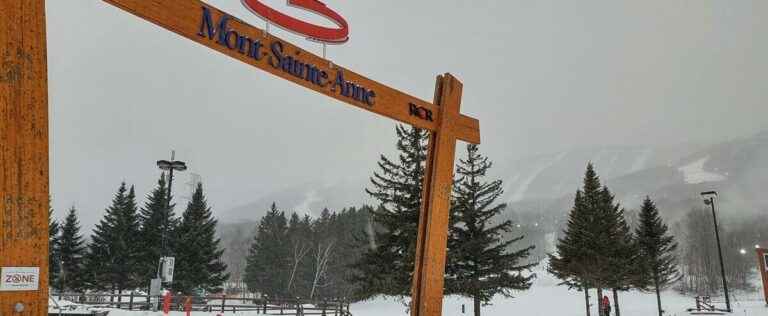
[(221, 303)]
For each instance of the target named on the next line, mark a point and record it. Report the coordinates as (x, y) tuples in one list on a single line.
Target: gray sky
[(541, 76)]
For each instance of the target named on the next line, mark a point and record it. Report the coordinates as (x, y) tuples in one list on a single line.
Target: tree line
[(698, 254), (360, 253), (300, 256), (125, 247), (598, 250)]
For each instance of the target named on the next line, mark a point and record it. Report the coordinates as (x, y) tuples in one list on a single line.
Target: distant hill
[(545, 184)]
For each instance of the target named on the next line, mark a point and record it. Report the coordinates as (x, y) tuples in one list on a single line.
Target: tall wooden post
[(762, 266), (23, 157), (427, 288)]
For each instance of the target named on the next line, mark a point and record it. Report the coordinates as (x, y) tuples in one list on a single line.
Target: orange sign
[(219, 31)]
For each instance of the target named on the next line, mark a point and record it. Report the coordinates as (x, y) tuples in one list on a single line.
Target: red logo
[(312, 31)]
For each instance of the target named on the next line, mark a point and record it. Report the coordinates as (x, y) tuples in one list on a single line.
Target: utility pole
[(169, 166), (709, 199)]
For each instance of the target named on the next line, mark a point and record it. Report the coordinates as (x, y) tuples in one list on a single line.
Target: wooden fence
[(218, 303)]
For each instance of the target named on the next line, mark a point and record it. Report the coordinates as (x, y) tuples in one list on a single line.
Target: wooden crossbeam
[(186, 19)]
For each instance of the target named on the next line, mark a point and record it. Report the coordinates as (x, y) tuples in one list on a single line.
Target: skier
[(605, 309)]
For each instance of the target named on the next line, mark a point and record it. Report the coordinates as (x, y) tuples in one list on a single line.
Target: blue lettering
[(228, 36), (277, 53), (255, 51), (323, 80), (206, 24), (339, 82), (369, 98)]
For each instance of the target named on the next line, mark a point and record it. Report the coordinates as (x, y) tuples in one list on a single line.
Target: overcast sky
[(541, 76)]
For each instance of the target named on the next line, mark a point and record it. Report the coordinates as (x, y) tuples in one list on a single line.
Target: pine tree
[(72, 251), (157, 224), (198, 254), (266, 265), (113, 249), (584, 253), (482, 264), (657, 250), (622, 259), (397, 186), (54, 258)]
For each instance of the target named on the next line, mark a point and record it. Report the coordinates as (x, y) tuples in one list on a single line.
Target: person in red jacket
[(605, 308)]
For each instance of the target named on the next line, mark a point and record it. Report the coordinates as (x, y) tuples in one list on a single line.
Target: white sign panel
[(19, 278), (167, 273)]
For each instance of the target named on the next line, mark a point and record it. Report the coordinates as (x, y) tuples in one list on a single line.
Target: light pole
[(169, 166), (709, 199)]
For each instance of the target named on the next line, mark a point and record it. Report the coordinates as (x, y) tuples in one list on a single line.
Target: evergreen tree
[(301, 242), (198, 254), (594, 233), (157, 224), (114, 248), (266, 265), (397, 186), (72, 251), (482, 265), (622, 259), (657, 250), (54, 259)]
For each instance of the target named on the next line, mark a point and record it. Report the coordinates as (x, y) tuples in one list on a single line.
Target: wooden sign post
[(24, 138), (762, 266), (23, 159)]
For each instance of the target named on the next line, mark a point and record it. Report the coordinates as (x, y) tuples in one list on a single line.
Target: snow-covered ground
[(545, 298)]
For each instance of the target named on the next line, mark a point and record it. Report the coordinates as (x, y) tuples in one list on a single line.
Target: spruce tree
[(157, 224), (198, 254), (583, 253), (657, 249), (397, 186), (482, 265), (54, 259), (622, 257), (72, 251), (113, 249), (268, 260)]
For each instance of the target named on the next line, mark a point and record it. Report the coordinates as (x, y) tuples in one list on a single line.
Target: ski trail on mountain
[(520, 192)]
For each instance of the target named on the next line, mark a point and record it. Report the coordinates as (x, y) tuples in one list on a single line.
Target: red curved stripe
[(313, 31)]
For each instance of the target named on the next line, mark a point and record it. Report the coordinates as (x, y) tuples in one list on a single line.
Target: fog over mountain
[(553, 83), (545, 184)]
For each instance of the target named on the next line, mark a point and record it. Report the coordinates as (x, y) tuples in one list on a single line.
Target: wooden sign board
[(219, 31), (24, 133)]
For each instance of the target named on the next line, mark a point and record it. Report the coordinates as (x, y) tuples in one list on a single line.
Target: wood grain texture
[(184, 18), (429, 269), (24, 149), (761, 266)]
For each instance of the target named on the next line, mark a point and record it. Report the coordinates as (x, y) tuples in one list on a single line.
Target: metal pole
[(720, 254)]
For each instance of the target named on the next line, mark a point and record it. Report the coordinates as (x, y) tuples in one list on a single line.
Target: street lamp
[(170, 166), (709, 199)]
